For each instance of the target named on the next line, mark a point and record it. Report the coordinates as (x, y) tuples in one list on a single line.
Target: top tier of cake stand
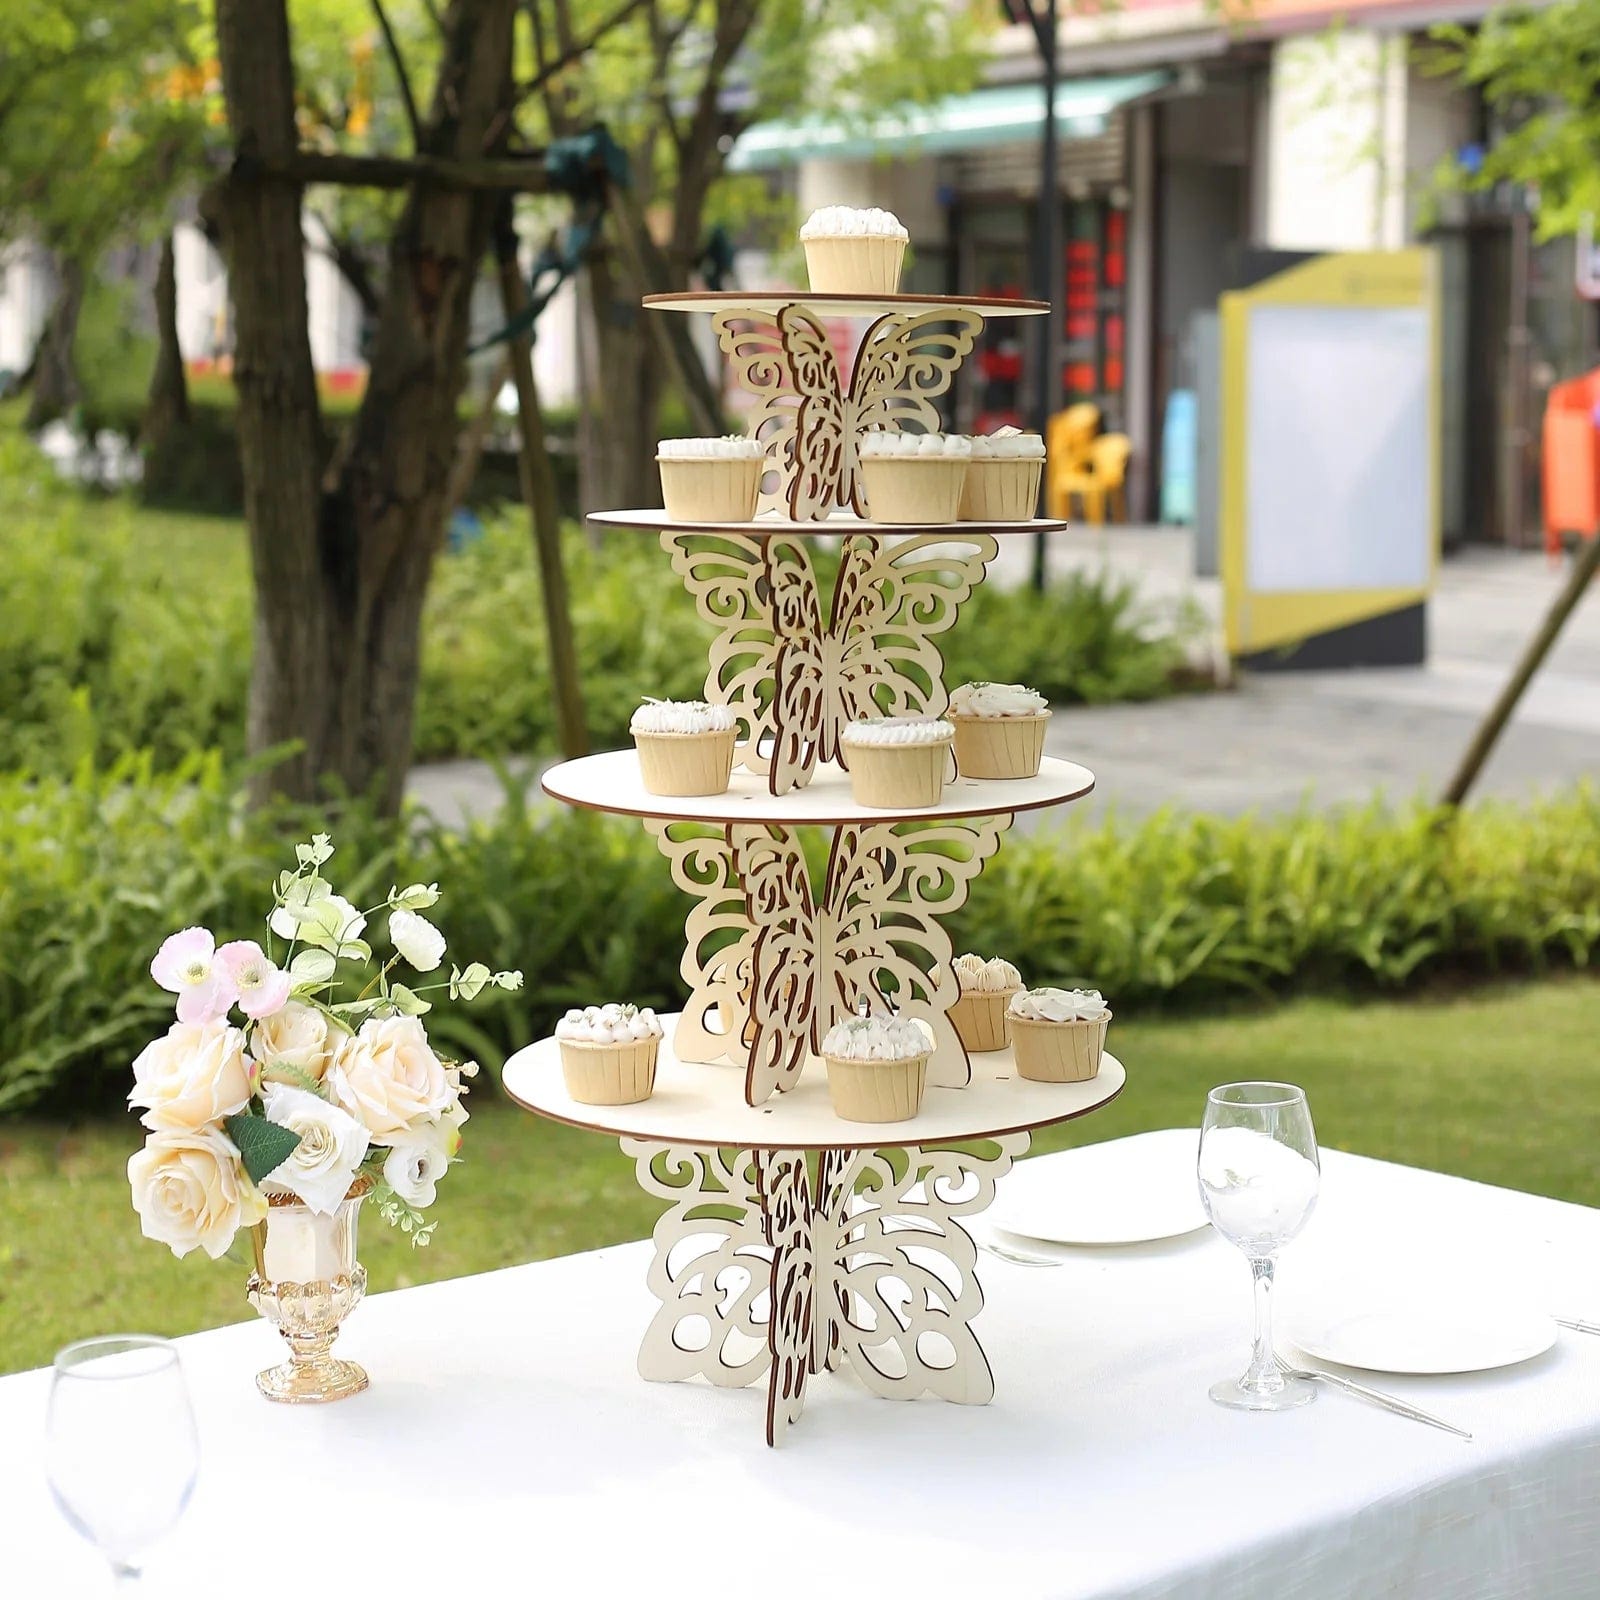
[(843, 305), (770, 524)]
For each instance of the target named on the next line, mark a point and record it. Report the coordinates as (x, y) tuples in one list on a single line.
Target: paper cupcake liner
[(980, 1018), (892, 777), (1006, 490), (999, 747), (686, 763), (609, 1074), (913, 488), (859, 264), (876, 1091), (1058, 1052), (711, 488)]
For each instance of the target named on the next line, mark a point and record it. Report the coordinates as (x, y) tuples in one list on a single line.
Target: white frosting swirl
[(982, 699), (884, 442), (680, 716), (876, 1038), (847, 222), (977, 976), (1059, 1005), (612, 1024), (1007, 444), (883, 732), (730, 447)]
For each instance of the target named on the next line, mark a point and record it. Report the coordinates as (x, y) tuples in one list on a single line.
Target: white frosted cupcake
[(914, 477), (711, 480), (986, 990), (1002, 482), (851, 251), (999, 729), (897, 763), (1058, 1034), (877, 1068), (685, 746), (608, 1054)]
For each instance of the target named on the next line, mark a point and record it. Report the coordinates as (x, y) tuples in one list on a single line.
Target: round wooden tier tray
[(612, 782), (700, 1105), (653, 519), (843, 305)]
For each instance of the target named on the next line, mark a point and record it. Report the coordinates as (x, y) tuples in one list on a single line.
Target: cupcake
[(986, 990), (1002, 482), (685, 746), (999, 729), (877, 1068), (897, 762), (1058, 1034), (608, 1054), (853, 252), (913, 477), (711, 480)]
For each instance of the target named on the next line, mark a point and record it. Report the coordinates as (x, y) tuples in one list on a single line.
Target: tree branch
[(525, 174), (392, 45), (573, 50)]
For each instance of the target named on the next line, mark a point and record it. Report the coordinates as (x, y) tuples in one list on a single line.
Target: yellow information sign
[(1329, 500)]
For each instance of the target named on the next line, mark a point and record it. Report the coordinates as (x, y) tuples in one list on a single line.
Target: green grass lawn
[(1499, 1085)]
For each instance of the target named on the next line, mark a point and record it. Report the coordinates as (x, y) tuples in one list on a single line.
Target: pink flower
[(261, 987), (186, 966)]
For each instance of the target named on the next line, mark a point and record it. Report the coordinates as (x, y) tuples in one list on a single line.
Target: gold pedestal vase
[(305, 1283)]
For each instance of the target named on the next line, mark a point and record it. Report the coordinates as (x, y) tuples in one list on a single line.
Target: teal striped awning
[(1008, 115)]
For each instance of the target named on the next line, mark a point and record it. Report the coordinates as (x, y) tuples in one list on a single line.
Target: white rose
[(388, 1078), (416, 939), (190, 1190), (321, 1167), (413, 1169), (298, 1037), (195, 1073)]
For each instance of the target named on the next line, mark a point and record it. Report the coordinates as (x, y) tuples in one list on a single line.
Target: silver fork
[(1018, 1258), (1389, 1402), (1577, 1324)]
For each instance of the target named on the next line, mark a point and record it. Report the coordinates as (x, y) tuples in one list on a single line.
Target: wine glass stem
[(125, 1577), (1263, 1373)]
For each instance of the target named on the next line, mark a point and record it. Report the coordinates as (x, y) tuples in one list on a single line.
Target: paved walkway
[(1279, 740)]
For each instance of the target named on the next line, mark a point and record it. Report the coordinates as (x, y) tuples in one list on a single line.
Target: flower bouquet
[(307, 1105)]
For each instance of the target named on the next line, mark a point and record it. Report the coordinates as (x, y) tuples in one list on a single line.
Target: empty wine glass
[(120, 1447), (1259, 1175)]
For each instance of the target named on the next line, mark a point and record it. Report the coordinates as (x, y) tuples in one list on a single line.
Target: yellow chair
[(1099, 482), (1067, 443)]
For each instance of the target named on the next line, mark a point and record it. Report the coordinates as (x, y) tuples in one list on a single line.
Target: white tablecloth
[(506, 1447)]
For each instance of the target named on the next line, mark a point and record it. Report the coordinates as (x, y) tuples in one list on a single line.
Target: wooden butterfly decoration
[(811, 419), (793, 679), (772, 966)]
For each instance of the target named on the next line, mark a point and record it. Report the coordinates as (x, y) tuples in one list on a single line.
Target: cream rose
[(300, 1038), (413, 1169), (191, 1191), (388, 1078), (195, 1073), (320, 1169)]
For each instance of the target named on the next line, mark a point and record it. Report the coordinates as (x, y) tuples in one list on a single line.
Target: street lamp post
[(1047, 253)]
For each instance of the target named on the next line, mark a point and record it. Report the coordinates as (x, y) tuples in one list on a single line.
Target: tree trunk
[(56, 389), (617, 463), (342, 567), (167, 404)]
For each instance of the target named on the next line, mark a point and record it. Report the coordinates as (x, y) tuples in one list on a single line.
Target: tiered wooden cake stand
[(793, 1239)]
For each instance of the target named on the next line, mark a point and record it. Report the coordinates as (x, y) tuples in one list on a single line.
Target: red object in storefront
[(1572, 460)]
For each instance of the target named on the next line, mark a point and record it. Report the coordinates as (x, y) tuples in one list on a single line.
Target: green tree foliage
[(1539, 69)]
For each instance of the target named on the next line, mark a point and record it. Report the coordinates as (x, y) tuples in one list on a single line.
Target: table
[(506, 1447)]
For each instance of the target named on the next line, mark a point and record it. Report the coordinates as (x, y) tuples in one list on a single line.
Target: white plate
[(1446, 1332), (1124, 1191)]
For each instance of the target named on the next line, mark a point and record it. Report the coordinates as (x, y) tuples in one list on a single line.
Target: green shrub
[(97, 868), (130, 629)]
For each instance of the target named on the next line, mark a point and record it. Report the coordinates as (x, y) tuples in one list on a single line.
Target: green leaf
[(407, 1003), (263, 1146), (313, 966), (468, 985)]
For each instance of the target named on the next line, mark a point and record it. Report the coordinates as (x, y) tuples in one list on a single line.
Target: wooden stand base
[(778, 1265)]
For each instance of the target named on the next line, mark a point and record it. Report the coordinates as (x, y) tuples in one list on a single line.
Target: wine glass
[(1259, 1174), (120, 1447)]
